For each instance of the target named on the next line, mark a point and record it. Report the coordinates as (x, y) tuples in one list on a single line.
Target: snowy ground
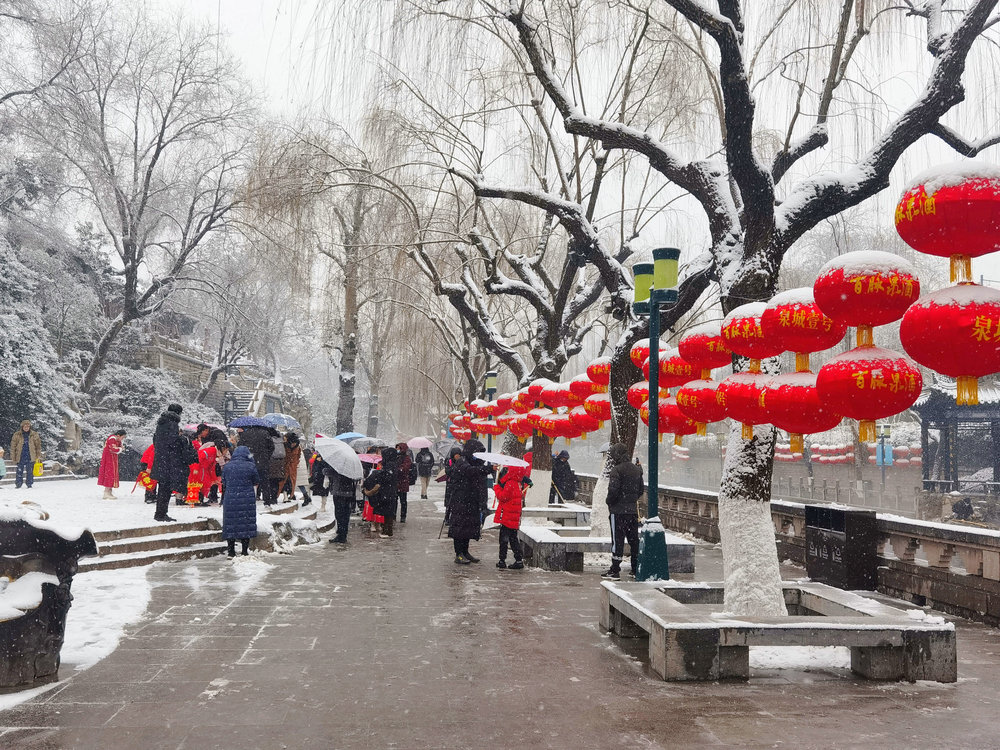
[(77, 503)]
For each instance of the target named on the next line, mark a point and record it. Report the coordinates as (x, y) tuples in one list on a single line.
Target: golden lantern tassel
[(748, 431), (961, 269), (678, 440), (866, 337), (754, 366), (968, 391), (866, 431), (706, 373), (797, 443), (659, 437), (801, 361), (702, 428), (583, 436)]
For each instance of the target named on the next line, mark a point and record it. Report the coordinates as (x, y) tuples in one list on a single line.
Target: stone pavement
[(388, 644)]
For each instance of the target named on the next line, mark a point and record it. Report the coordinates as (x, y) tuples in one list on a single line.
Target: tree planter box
[(563, 548), (690, 640)]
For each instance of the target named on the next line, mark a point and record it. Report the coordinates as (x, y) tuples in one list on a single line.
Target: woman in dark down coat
[(239, 500), (453, 454), (386, 478), (469, 500)]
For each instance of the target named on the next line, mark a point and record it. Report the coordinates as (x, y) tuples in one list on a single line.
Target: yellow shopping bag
[(37, 469)]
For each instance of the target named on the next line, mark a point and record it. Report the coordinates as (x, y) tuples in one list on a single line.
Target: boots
[(387, 527), (107, 494), (231, 547), (246, 546)]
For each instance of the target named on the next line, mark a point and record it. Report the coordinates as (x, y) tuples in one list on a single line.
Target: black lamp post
[(491, 390), (655, 285)]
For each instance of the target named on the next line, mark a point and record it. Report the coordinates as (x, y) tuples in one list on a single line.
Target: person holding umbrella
[(258, 440), (425, 467), (468, 503)]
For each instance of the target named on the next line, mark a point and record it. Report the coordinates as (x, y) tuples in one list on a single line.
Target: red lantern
[(744, 396), (503, 403), (705, 348), (743, 334), (675, 370), (702, 401), (956, 331), (600, 371), (460, 433), (794, 321), (463, 420), (476, 407), (554, 395), (504, 421), (953, 211), (565, 428), (535, 416), (869, 383), (537, 386), (637, 394), (520, 428), (675, 421), (582, 386), (452, 416), (522, 402), (583, 421), (793, 405), (865, 289), (598, 406), (639, 353)]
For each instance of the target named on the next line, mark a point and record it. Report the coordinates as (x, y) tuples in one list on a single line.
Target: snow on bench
[(563, 548)]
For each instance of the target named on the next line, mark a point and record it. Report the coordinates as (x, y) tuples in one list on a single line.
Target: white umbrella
[(340, 456), (501, 459), (418, 443)]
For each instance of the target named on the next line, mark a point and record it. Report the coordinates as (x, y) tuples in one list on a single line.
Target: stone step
[(154, 529), (135, 559), (158, 541), (280, 509)]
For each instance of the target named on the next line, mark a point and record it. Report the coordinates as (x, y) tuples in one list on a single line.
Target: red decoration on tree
[(535, 416), (956, 331), (953, 211), (520, 428), (522, 402), (583, 421), (637, 394), (794, 321), (702, 401), (743, 334), (537, 386), (675, 370), (705, 348), (600, 371), (744, 396), (639, 353), (460, 433), (582, 386), (869, 383), (793, 405), (866, 289), (670, 420), (554, 395), (598, 406)]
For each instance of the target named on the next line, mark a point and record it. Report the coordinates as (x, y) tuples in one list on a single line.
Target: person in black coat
[(453, 453), (469, 500), (563, 480), (625, 487), (382, 490), (343, 491), (258, 440), (239, 500), (169, 470)]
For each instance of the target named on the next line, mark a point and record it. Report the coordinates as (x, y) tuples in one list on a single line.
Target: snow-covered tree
[(30, 384)]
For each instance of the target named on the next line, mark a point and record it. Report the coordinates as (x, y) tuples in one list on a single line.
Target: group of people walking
[(259, 464)]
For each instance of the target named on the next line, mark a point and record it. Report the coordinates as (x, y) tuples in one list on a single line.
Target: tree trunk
[(372, 426), (101, 354)]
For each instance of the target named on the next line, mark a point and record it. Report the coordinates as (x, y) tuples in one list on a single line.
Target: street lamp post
[(491, 389), (883, 457), (655, 285)]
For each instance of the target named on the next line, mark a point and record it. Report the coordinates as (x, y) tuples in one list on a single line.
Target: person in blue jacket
[(239, 500)]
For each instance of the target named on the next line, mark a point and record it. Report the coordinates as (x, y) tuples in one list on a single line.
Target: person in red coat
[(147, 482), (107, 476), (509, 491)]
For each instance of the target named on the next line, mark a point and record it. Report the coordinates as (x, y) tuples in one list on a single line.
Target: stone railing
[(950, 567)]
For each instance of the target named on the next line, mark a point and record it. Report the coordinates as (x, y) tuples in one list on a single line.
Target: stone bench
[(690, 640), (566, 514), (563, 548)]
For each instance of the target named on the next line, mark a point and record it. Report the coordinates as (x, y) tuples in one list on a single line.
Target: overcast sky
[(283, 53)]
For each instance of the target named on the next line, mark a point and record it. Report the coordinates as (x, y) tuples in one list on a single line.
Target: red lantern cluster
[(867, 383), (702, 401), (705, 348), (793, 405), (743, 334), (794, 322), (954, 212)]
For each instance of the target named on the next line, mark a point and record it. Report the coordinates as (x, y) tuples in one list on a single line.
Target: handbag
[(37, 469)]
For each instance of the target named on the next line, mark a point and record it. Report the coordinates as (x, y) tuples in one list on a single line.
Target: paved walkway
[(388, 644)]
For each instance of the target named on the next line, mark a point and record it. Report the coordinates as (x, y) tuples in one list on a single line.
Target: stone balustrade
[(953, 568)]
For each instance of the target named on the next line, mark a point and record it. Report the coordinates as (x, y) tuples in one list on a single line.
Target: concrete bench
[(687, 641), (566, 514), (563, 548)]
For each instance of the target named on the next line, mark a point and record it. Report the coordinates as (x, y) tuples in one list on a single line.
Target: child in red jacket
[(509, 490)]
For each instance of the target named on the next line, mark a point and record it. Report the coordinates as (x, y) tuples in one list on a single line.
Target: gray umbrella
[(365, 444)]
